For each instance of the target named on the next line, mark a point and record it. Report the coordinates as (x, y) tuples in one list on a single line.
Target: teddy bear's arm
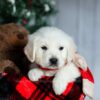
[(6, 65)]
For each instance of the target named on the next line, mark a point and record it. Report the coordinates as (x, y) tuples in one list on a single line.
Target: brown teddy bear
[(13, 38)]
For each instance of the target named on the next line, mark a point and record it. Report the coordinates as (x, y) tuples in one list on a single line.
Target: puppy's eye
[(61, 48), (44, 48)]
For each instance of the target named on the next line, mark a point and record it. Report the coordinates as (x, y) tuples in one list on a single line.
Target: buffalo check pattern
[(42, 89)]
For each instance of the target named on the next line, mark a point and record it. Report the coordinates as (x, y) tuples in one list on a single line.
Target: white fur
[(52, 38), (35, 74), (88, 88), (65, 75), (79, 61)]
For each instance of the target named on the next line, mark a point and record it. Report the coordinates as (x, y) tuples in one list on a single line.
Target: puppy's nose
[(53, 61)]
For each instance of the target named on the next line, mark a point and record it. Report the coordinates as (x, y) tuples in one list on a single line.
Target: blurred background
[(78, 18)]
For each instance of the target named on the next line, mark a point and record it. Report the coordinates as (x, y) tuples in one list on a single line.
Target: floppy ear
[(29, 50), (79, 61), (71, 49)]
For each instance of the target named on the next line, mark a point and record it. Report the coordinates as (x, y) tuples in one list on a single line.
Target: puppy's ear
[(29, 50), (79, 61), (71, 49)]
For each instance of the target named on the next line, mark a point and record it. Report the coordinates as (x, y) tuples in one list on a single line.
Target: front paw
[(35, 74), (59, 86)]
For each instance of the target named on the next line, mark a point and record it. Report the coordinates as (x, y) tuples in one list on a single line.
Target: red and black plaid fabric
[(42, 90), (24, 89)]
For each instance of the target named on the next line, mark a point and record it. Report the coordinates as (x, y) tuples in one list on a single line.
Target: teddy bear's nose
[(53, 61), (20, 36)]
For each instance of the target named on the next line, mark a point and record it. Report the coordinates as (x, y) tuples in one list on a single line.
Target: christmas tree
[(30, 13)]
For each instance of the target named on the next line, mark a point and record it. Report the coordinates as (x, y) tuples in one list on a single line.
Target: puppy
[(54, 52)]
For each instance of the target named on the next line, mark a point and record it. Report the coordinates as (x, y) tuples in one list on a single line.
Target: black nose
[(53, 61)]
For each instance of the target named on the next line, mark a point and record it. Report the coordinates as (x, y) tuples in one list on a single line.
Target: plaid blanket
[(42, 90), (24, 89)]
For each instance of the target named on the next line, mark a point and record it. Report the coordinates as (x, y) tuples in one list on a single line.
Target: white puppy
[(53, 51)]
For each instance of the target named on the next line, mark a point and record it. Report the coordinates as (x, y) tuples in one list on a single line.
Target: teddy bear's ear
[(29, 50)]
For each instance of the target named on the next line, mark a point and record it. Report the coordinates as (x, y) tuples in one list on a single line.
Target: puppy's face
[(50, 53), (50, 48)]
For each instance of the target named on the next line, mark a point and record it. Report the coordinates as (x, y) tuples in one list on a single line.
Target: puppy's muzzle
[(53, 61)]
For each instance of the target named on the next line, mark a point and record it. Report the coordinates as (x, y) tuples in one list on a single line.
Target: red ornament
[(25, 21)]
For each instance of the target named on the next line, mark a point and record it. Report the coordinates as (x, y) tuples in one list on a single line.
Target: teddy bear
[(13, 39)]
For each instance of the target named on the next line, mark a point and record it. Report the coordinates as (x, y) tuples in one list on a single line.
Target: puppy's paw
[(35, 74), (59, 86)]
